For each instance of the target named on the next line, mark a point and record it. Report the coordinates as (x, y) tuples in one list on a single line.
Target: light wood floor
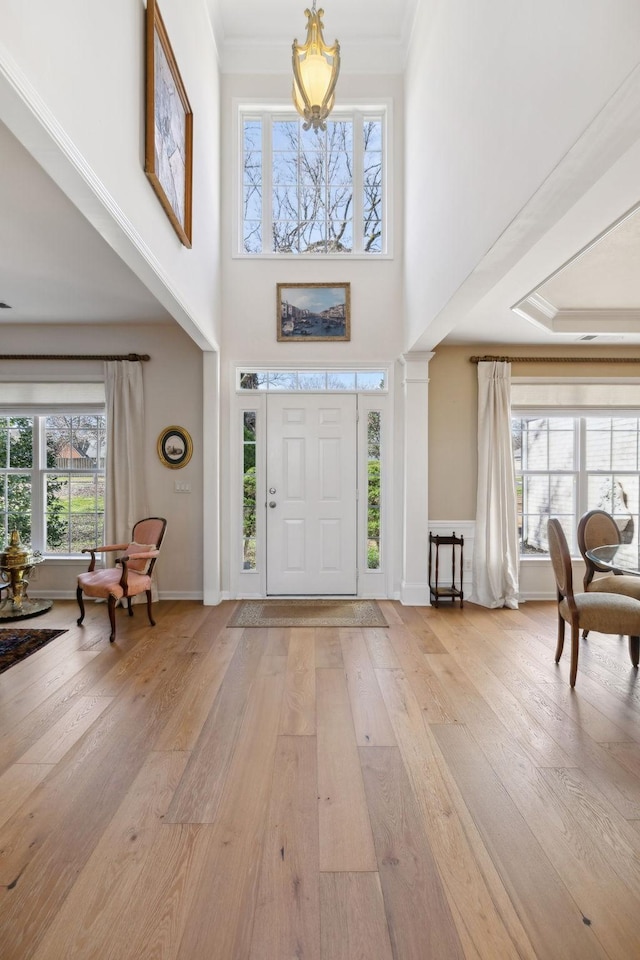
[(430, 790)]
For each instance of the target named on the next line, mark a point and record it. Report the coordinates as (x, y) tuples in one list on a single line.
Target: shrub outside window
[(52, 481), (374, 426), (249, 535)]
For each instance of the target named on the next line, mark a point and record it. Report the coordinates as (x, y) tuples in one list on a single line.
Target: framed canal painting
[(314, 311)]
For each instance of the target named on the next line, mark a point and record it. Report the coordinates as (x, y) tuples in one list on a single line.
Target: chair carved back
[(151, 530), (595, 529), (560, 559)]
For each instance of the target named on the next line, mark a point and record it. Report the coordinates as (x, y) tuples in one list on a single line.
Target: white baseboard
[(536, 595), (414, 594), (53, 594), (179, 595)]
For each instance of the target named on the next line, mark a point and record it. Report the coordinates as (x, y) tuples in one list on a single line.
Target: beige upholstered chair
[(603, 612), (132, 574), (595, 529)]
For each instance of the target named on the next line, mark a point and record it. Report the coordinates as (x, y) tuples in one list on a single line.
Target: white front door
[(311, 494)]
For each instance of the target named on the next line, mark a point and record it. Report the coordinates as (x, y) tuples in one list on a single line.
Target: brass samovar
[(16, 564)]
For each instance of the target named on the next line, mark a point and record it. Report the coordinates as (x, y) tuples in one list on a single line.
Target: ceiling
[(593, 297), (262, 32), (56, 268), (597, 292)]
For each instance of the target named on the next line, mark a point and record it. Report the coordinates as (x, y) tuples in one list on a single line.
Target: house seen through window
[(568, 465), (52, 481)]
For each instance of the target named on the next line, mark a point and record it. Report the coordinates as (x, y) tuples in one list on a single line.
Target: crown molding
[(597, 321), (537, 310), (274, 57), (600, 322)]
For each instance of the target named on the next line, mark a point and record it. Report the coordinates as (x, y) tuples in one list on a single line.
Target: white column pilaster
[(211, 472), (414, 589)]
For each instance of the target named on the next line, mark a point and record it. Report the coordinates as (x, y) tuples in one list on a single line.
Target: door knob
[(272, 503)]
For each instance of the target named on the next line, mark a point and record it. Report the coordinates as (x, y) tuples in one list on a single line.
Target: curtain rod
[(556, 359), (74, 356)]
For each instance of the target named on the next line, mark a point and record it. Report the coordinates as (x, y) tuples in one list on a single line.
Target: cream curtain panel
[(495, 551), (125, 493)]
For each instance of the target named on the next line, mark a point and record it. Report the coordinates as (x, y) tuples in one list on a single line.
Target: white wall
[(173, 396), (496, 95), (249, 285), (80, 67)]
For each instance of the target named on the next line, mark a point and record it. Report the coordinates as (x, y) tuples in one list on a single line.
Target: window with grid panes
[(312, 192), (52, 481), (249, 541), (566, 466)]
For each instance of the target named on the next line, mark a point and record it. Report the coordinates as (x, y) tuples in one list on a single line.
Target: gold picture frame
[(168, 127), (308, 312), (175, 447)]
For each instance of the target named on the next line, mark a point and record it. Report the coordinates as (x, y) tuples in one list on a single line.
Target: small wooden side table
[(452, 591)]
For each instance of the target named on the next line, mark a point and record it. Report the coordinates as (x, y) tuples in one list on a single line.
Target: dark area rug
[(307, 613), (15, 645)]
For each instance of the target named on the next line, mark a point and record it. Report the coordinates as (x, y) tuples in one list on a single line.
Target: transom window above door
[(353, 381), (312, 193)]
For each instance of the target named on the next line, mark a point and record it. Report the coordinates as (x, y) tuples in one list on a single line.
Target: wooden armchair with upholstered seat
[(132, 574), (597, 610), (595, 529)]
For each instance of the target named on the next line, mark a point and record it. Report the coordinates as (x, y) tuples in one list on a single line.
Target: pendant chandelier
[(315, 72)]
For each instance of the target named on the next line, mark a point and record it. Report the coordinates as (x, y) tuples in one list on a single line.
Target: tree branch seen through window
[(303, 194)]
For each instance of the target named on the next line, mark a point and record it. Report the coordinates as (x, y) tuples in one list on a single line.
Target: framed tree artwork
[(168, 127)]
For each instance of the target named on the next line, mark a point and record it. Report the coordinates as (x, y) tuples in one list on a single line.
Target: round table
[(619, 557)]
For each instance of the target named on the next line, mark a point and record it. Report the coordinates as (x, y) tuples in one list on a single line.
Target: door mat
[(15, 645), (307, 613)]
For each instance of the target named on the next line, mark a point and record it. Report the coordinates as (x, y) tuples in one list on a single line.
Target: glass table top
[(624, 557)]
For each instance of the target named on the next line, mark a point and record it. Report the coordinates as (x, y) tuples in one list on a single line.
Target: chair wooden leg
[(634, 650), (560, 644), (129, 607), (585, 634), (151, 620), (112, 617), (80, 604), (575, 647)]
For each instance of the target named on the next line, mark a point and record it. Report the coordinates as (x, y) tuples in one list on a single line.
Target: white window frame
[(374, 583), (297, 369), (252, 583), (39, 471), (268, 110), (580, 472)]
